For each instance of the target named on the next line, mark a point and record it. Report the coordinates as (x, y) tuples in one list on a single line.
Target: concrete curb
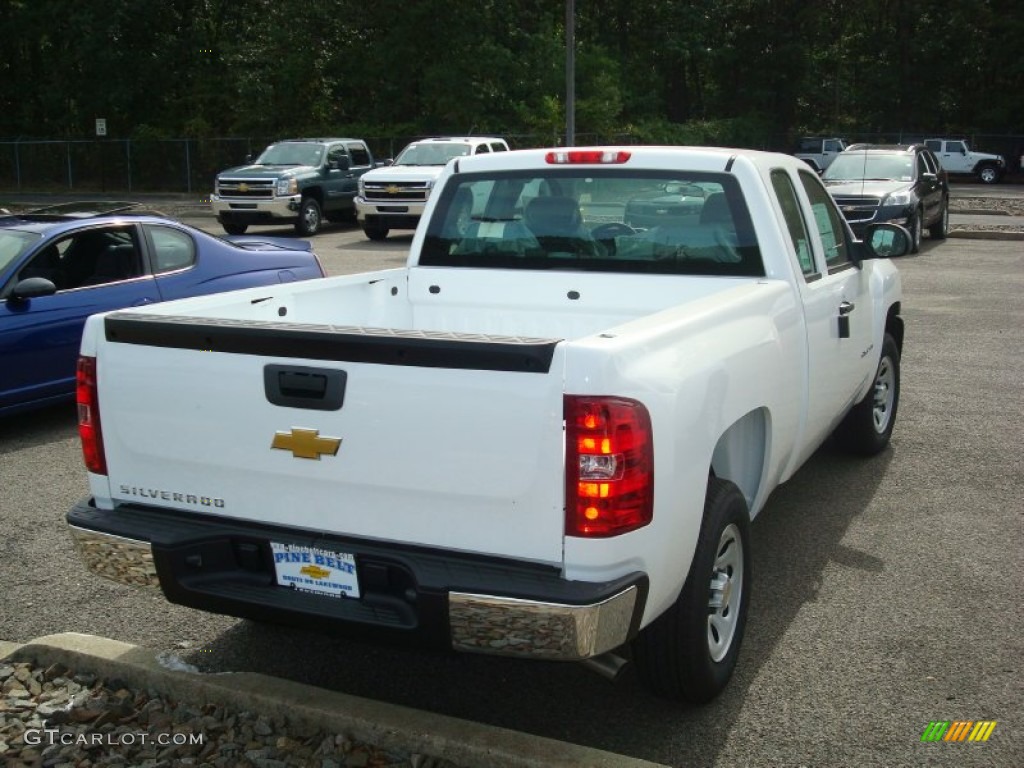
[(391, 727), (985, 234), (978, 212)]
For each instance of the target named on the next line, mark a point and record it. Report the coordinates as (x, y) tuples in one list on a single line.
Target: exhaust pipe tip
[(608, 665)]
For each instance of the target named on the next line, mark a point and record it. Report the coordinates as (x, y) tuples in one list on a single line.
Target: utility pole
[(570, 73)]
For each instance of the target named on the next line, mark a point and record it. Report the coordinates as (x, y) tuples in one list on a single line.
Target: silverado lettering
[(186, 498)]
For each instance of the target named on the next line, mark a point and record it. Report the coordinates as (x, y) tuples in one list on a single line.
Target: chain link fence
[(188, 166)]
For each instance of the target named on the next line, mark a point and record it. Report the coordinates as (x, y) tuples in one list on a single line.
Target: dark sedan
[(672, 202), (60, 265), (902, 184)]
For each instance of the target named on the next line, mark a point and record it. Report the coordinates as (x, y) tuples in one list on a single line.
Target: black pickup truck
[(302, 181)]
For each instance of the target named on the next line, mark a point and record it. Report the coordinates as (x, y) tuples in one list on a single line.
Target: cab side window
[(828, 221), (481, 148), (360, 155), (786, 194), (922, 166), (336, 152)]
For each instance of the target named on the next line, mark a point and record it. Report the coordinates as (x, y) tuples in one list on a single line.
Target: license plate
[(320, 571)]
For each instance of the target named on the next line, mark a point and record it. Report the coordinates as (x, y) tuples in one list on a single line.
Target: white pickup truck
[(545, 436)]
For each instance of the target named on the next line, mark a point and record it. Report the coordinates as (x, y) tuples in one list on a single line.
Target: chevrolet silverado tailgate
[(444, 440)]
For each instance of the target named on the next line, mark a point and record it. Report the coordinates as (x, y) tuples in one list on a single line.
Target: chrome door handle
[(846, 308)]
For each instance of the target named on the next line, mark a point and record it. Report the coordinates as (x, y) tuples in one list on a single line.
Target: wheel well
[(316, 193), (739, 455), (894, 325)]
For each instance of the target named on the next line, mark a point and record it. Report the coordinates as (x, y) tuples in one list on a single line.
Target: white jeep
[(958, 158)]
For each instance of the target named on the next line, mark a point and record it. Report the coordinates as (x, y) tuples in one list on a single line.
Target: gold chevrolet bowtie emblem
[(243, 187), (306, 443), (392, 189), (315, 572)]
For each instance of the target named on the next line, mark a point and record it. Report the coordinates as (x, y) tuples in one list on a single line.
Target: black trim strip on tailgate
[(383, 346)]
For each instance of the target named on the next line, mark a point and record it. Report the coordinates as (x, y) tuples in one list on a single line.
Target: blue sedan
[(60, 265)]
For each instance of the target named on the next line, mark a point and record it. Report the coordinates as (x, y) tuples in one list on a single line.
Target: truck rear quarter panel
[(699, 369)]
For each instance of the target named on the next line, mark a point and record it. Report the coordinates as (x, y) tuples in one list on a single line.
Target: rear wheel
[(938, 230), (234, 228), (310, 217), (914, 225), (375, 232), (867, 428), (689, 652)]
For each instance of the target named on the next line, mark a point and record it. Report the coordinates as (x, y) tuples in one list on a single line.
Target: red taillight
[(609, 466), (89, 416), (586, 157)]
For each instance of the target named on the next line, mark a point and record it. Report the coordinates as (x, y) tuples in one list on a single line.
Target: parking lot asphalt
[(887, 591)]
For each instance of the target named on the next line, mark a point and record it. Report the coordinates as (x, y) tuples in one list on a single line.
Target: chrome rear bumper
[(512, 627)]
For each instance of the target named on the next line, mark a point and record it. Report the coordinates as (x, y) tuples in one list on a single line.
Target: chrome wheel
[(988, 174), (868, 426), (884, 395), (310, 217), (726, 593), (689, 652)]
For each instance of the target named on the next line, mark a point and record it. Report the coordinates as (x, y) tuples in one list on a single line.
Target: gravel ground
[(55, 718), (994, 206)]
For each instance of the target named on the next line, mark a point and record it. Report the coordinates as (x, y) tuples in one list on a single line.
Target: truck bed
[(468, 438)]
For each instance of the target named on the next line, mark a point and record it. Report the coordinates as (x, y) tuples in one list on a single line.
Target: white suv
[(393, 197), (819, 152)]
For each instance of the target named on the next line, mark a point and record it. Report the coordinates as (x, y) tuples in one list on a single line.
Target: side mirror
[(339, 164), (884, 241), (929, 176), (33, 287)]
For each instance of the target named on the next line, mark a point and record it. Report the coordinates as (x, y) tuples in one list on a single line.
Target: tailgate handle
[(318, 389)]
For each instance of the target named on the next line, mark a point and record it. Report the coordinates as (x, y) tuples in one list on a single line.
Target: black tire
[(940, 228), (988, 174), (867, 428), (375, 232), (234, 227), (914, 225), (310, 217), (683, 655)]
